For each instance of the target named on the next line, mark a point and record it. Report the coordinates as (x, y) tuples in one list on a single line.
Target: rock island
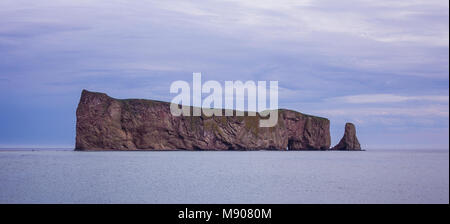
[(106, 123)]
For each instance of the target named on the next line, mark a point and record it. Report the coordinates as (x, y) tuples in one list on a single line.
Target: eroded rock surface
[(349, 141), (105, 123)]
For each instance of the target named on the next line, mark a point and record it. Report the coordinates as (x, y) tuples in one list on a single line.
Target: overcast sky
[(383, 65)]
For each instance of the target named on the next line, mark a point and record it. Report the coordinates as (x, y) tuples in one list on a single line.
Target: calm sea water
[(224, 177)]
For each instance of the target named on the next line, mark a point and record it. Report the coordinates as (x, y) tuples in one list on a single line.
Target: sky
[(383, 65)]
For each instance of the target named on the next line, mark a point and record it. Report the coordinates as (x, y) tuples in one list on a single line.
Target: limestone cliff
[(105, 123)]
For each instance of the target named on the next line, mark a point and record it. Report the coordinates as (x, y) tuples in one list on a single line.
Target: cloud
[(387, 98), (384, 22), (427, 111)]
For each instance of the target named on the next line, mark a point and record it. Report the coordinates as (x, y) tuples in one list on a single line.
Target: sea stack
[(105, 123), (349, 141)]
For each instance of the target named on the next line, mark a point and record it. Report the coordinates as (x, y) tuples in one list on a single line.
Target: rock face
[(349, 141), (105, 123)]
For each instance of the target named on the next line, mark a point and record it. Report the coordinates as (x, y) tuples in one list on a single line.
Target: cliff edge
[(105, 123)]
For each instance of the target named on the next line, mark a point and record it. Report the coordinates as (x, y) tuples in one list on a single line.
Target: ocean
[(373, 176)]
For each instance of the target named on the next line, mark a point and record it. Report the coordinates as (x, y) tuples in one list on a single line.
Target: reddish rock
[(349, 141), (105, 123)]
